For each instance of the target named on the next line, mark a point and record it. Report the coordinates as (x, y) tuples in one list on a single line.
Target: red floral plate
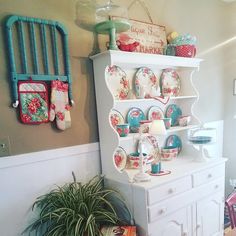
[(146, 83), (116, 118), (120, 158), (117, 82), (155, 113), (170, 83)]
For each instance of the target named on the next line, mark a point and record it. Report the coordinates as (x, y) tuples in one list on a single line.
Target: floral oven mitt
[(59, 107)]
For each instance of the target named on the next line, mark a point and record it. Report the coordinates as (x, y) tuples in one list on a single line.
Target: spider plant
[(76, 209)]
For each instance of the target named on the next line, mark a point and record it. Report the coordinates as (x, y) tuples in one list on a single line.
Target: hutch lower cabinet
[(130, 87), (189, 202)]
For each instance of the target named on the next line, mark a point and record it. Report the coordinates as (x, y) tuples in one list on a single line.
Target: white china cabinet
[(190, 200)]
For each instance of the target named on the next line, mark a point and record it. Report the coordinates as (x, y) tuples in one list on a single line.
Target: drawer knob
[(184, 233), (209, 176), (216, 186), (162, 211), (198, 226), (171, 190)]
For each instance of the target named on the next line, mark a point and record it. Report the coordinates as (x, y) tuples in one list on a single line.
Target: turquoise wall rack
[(38, 50)]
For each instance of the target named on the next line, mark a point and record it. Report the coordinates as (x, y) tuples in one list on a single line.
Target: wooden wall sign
[(151, 37)]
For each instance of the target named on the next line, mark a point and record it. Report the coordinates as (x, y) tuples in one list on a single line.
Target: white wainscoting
[(25, 177)]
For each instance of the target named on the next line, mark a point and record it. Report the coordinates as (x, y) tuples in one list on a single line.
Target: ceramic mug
[(185, 50), (156, 167), (122, 129), (167, 122), (133, 160), (169, 50)]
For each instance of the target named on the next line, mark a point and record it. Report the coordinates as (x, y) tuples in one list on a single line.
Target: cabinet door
[(210, 214), (175, 224)]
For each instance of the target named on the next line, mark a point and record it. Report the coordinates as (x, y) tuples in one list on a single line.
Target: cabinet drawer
[(168, 190), (164, 208), (207, 175)]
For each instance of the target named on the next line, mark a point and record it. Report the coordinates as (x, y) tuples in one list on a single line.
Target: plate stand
[(112, 27)]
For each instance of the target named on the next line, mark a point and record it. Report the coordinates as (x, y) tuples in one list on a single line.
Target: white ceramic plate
[(146, 83), (170, 82), (117, 82)]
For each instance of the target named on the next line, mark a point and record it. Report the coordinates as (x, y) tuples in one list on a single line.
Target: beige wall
[(205, 19), (30, 138), (230, 100)]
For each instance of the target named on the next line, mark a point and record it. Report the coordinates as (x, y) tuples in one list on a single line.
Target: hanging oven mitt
[(33, 98), (59, 107)]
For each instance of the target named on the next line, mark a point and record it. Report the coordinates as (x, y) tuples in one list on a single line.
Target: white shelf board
[(136, 60), (135, 136), (181, 128), (153, 99)]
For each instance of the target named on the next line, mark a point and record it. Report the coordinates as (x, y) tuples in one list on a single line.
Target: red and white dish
[(170, 82), (117, 82), (155, 113), (120, 158), (116, 118), (162, 172), (146, 83)]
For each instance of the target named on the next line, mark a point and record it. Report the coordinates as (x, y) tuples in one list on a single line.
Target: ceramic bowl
[(168, 153), (186, 50), (122, 129), (168, 156), (167, 122), (184, 120), (169, 149)]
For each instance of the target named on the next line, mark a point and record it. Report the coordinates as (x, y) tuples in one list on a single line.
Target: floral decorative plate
[(117, 82), (146, 83), (116, 118), (170, 82), (174, 141), (134, 116), (155, 113), (150, 147), (120, 158), (174, 112)]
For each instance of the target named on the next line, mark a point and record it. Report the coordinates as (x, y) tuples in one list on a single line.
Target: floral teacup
[(122, 129)]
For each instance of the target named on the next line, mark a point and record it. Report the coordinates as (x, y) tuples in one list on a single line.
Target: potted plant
[(77, 209)]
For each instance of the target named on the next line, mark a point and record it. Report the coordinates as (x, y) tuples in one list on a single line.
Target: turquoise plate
[(174, 112), (200, 139), (134, 116), (174, 141)]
